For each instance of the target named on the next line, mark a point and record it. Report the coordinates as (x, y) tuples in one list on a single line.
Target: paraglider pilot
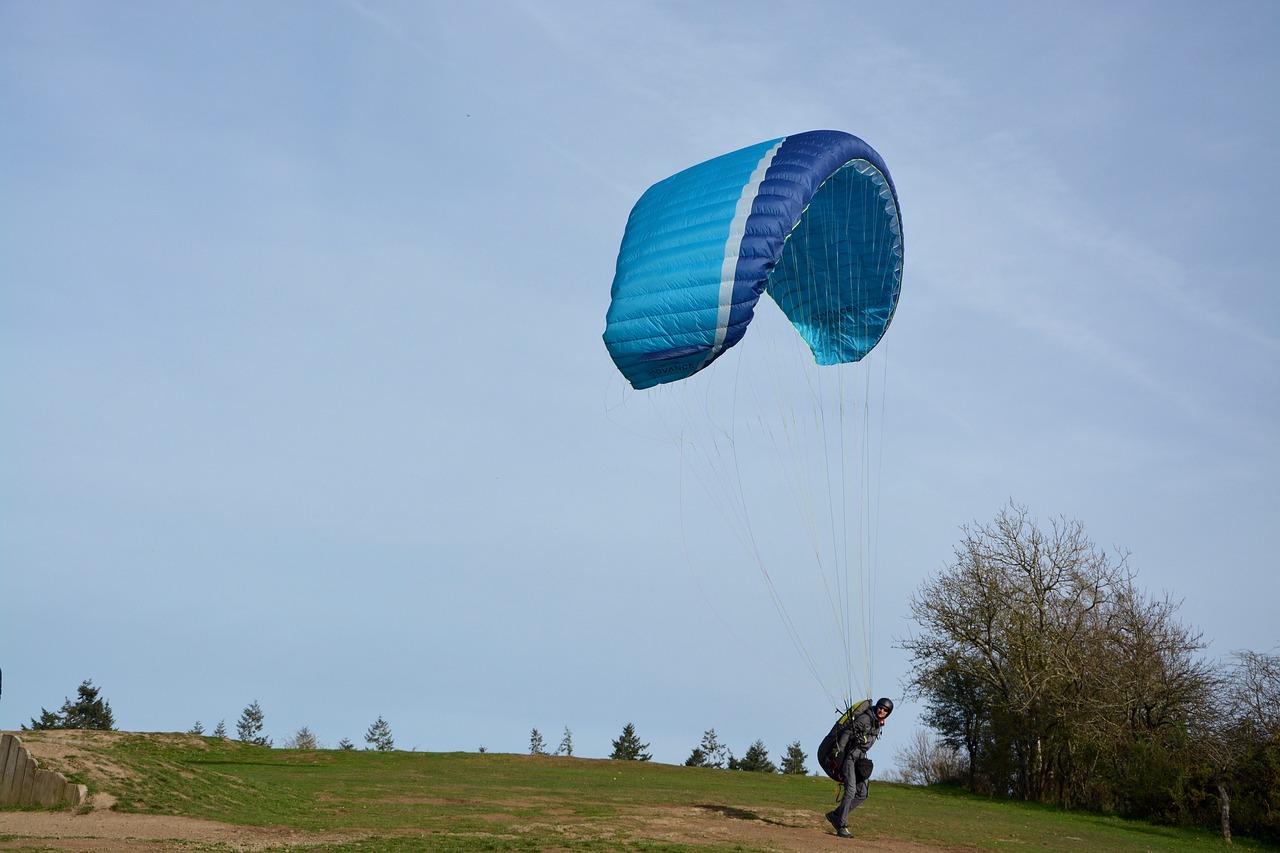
[(855, 768)]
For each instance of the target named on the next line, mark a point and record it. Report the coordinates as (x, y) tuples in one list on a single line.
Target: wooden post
[(8, 766), (22, 782)]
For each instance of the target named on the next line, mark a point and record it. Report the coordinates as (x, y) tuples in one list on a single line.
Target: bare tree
[(303, 738), (1047, 664), (1248, 711), (1255, 691), (926, 761)]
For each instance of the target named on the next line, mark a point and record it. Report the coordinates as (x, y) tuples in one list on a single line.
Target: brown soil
[(96, 828), (101, 830)]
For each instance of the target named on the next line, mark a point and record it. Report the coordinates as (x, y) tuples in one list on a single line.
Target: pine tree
[(249, 726), (566, 743), (379, 736), (757, 759), (221, 730), (197, 729), (628, 747), (711, 753), (346, 743), (87, 712), (48, 720), (793, 763), (536, 745)]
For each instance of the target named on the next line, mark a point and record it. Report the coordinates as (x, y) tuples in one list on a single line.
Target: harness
[(834, 747)]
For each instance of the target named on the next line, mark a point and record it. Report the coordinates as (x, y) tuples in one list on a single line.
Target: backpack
[(831, 750)]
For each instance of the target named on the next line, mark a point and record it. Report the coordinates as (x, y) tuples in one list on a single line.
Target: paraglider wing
[(812, 219)]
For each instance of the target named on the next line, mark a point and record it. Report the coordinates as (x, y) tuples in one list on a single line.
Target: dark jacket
[(861, 734), (848, 743)]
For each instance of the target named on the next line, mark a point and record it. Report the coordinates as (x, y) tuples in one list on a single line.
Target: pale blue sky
[(303, 394)]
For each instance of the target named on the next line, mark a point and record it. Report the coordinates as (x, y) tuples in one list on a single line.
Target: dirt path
[(104, 831), (101, 830)]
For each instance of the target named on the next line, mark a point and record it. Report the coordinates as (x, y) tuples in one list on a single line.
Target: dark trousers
[(855, 790)]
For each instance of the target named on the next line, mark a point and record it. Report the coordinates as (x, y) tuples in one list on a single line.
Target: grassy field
[(349, 801)]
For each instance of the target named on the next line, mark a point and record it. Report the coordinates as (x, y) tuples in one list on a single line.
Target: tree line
[(1050, 675), (709, 753), (91, 711)]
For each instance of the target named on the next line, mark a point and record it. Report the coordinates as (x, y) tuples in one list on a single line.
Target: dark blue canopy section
[(812, 219)]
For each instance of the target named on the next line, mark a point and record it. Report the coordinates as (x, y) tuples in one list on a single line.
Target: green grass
[(470, 802)]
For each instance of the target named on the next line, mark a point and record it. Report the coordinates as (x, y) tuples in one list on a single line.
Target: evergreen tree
[(628, 747), (712, 753), (87, 712), (48, 720), (793, 762), (197, 729), (757, 759), (566, 743), (221, 730), (379, 736), (249, 726), (346, 743), (536, 745)]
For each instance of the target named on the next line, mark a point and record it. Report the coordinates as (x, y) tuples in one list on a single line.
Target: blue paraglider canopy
[(812, 219)]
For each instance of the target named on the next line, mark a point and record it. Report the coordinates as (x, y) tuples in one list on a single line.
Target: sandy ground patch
[(101, 830)]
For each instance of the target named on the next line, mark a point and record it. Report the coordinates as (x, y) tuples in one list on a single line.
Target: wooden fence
[(23, 783)]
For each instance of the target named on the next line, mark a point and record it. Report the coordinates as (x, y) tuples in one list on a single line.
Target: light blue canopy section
[(812, 219), (841, 268), (667, 290)]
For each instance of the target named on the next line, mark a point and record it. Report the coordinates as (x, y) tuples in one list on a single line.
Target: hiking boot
[(841, 831)]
